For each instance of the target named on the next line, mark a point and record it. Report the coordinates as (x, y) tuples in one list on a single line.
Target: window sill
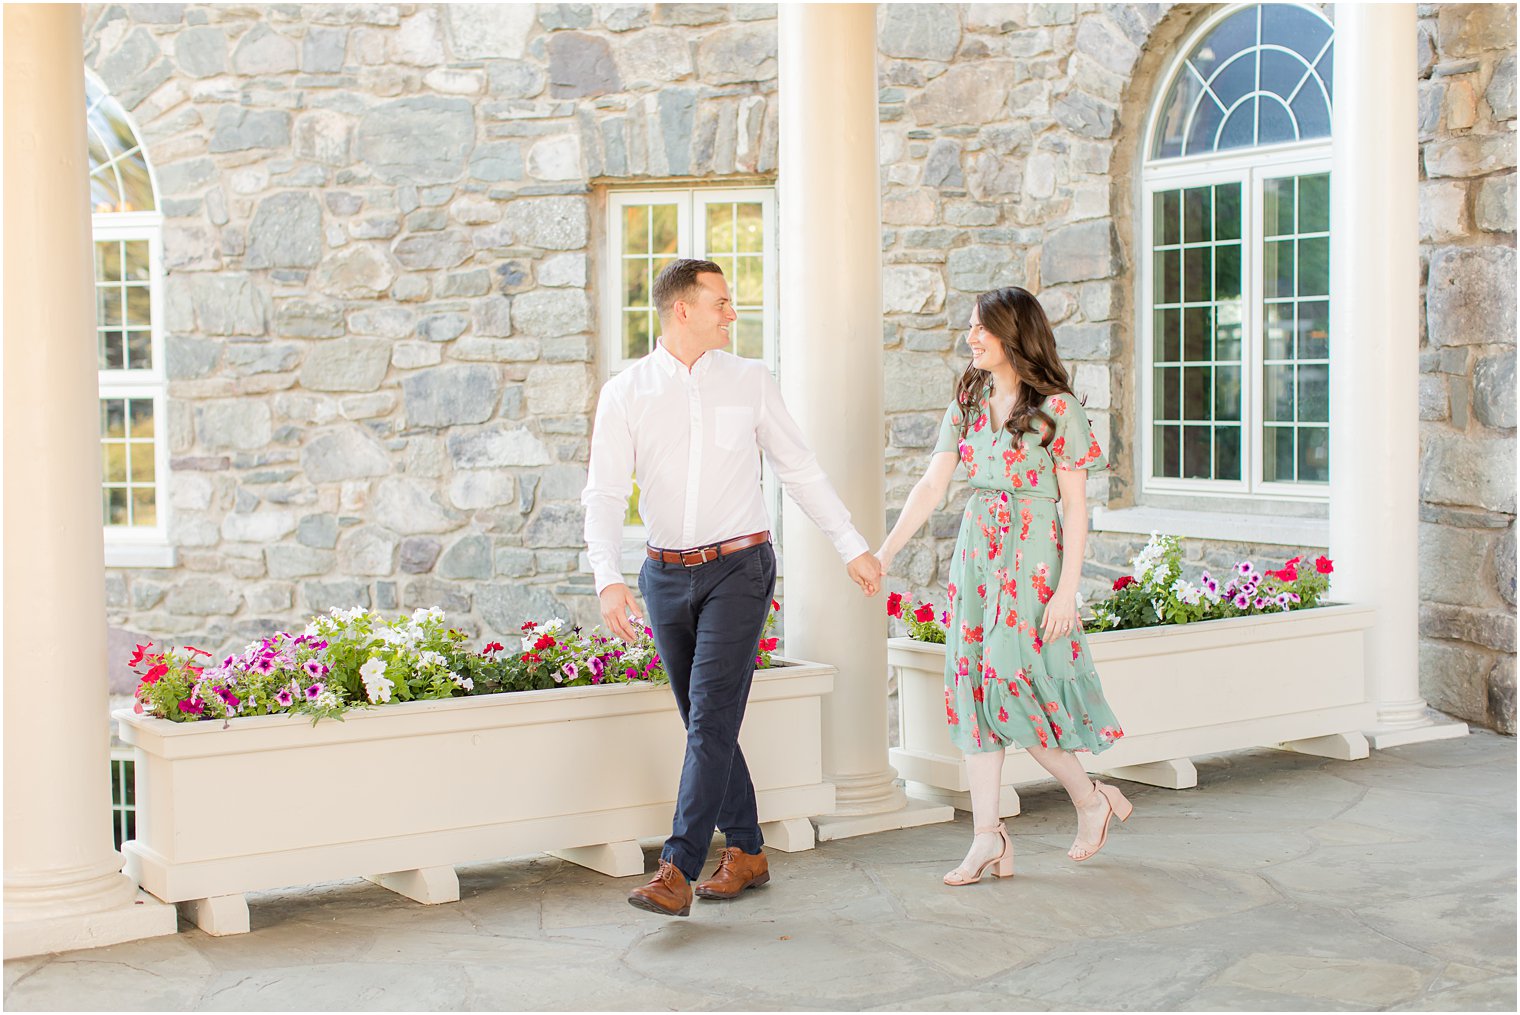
[(139, 555), (1234, 527)]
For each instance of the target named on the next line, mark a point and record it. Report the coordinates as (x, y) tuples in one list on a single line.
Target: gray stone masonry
[(384, 251)]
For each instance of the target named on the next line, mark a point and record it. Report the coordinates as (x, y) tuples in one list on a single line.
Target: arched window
[(1235, 348), (128, 237)]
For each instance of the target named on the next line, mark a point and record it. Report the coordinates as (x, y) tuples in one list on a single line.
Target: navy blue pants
[(707, 622)]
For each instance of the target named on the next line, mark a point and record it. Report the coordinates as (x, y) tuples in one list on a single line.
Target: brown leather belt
[(707, 554)]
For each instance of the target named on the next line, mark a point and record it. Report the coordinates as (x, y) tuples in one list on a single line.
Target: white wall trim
[(1234, 527), (125, 554)]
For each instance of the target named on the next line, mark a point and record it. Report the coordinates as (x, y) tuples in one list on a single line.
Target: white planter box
[(403, 792), (1293, 680)]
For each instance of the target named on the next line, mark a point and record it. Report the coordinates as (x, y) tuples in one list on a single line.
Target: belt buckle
[(701, 553)]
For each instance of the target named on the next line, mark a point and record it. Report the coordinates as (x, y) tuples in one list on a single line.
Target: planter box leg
[(790, 836), (1340, 746), (219, 915), (427, 885), (1008, 798), (614, 859), (1178, 773)]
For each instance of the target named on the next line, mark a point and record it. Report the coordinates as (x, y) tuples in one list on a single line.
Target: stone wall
[(381, 226), (1467, 361), (381, 331)]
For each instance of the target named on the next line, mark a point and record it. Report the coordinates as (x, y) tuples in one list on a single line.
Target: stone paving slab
[(1282, 883)]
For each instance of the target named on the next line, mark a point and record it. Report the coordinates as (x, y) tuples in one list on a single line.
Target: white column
[(64, 887), (831, 371), (1374, 376)]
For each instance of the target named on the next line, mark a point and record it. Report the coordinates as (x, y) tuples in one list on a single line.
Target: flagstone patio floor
[(1282, 882)]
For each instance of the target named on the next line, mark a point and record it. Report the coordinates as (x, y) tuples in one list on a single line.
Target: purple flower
[(595, 665), (227, 696), (192, 706), (1242, 601), (569, 670), (1245, 569), (313, 691), (265, 665), (1259, 603), (633, 674), (1281, 600), (314, 669), (944, 616), (284, 697)]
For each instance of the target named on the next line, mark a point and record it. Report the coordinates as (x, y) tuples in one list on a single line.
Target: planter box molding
[(401, 793), (1296, 681)]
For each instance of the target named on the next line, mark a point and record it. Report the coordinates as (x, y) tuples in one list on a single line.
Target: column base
[(145, 917), (1434, 726), (1008, 798), (911, 815)]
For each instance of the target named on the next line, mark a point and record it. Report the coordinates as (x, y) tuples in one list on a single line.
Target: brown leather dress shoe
[(737, 870), (668, 893)]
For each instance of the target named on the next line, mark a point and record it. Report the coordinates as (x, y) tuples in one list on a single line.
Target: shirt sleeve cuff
[(851, 545)]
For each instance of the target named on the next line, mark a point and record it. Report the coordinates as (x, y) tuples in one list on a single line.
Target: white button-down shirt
[(693, 440)]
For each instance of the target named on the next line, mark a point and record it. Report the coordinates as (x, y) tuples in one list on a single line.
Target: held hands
[(865, 571), (620, 612), (1060, 615)]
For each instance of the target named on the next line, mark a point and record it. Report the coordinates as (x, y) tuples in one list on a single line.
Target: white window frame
[(145, 545), (1250, 167), (691, 204)]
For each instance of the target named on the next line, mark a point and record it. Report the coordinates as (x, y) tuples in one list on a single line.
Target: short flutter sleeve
[(1074, 446), (950, 431)]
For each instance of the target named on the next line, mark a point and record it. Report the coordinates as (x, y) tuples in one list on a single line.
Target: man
[(691, 422)]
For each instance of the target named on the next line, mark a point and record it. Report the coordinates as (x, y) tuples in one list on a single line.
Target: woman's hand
[(1061, 615), (885, 558)]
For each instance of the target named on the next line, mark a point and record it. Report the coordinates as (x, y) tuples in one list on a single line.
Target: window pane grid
[(1296, 329), (123, 305), (129, 491), (1196, 404), (1260, 76), (736, 243), (123, 798), (651, 240)]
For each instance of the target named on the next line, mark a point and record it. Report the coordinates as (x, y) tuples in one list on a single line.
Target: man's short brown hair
[(679, 282)]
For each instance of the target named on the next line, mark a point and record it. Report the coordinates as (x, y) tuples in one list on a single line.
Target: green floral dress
[(1004, 686)]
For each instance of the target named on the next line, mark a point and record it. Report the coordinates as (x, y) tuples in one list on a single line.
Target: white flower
[(422, 616), (431, 658), (377, 686), (554, 625), (527, 643)]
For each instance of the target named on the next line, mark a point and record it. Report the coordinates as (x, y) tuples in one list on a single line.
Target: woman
[(1017, 669)]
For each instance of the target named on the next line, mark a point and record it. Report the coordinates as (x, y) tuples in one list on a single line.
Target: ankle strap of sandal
[(989, 829)]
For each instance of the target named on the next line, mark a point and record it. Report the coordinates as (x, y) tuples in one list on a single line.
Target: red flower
[(137, 656), (768, 644), (532, 657), (894, 604), (495, 646), (1323, 565), (978, 693), (775, 605), (1002, 715), (1052, 707), (151, 677), (1058, 447), (530, 625), (544, 641), (924, 613), (1125, 582)]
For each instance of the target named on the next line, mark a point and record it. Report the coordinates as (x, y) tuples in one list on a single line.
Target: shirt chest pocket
[(734, 427)]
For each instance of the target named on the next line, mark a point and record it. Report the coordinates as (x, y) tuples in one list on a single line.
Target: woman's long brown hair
[(1015, 318)]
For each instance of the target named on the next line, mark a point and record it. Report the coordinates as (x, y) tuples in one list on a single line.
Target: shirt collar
[(667, 362)]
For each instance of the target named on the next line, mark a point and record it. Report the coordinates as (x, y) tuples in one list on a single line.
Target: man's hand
[(617, 606), (1060, 615), (865, 571)]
